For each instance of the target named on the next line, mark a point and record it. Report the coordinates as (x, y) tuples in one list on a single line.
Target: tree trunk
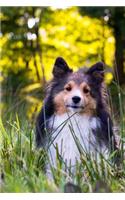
[(38, 46), (119, 47)]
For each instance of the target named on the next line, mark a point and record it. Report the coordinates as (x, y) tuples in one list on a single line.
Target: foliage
[(114, 17), (32, 38), (63, 32)]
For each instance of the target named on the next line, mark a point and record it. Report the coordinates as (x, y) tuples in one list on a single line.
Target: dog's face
[(77, 97), (76, 91)]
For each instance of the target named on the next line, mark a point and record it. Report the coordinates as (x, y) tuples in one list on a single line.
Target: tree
[(115, 18), (32, 38), (20, 26)]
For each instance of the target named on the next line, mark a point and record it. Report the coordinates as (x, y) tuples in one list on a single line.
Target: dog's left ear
[(97, 72), (60, 68)]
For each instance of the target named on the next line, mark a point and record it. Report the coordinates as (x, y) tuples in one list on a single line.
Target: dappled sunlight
[(108, 77), (30, 87), (37, 36)]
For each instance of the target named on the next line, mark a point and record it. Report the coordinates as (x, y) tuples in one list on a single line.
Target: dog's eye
[(68, 88), (86, 90)]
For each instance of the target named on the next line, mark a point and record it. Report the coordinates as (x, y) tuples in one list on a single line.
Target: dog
[(75, 110)]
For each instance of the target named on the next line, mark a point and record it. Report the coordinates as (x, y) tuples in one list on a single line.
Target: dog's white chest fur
[(69, 128)]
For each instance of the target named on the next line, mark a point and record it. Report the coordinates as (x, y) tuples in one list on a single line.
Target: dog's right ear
[(60, 68)]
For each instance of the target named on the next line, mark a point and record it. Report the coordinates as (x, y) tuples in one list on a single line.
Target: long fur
[(49, 122)]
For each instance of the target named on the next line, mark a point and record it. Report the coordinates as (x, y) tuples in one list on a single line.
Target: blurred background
[(32, 37)]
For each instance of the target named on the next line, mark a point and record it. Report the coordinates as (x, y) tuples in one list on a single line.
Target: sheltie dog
[(75, 111)]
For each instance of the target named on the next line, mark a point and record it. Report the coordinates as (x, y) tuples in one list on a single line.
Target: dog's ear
[(60, 68), (97, 72)]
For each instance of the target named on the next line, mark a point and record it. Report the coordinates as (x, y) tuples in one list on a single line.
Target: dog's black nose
[(76, 99)]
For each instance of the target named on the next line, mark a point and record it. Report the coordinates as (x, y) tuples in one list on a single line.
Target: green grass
[(22, 165)]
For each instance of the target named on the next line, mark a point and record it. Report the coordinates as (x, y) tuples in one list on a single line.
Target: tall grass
[(23, 166)]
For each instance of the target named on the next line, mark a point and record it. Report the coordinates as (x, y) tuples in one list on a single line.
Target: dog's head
[(76, 91)]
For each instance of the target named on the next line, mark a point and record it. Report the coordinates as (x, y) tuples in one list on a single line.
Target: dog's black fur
[(94, 76)]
